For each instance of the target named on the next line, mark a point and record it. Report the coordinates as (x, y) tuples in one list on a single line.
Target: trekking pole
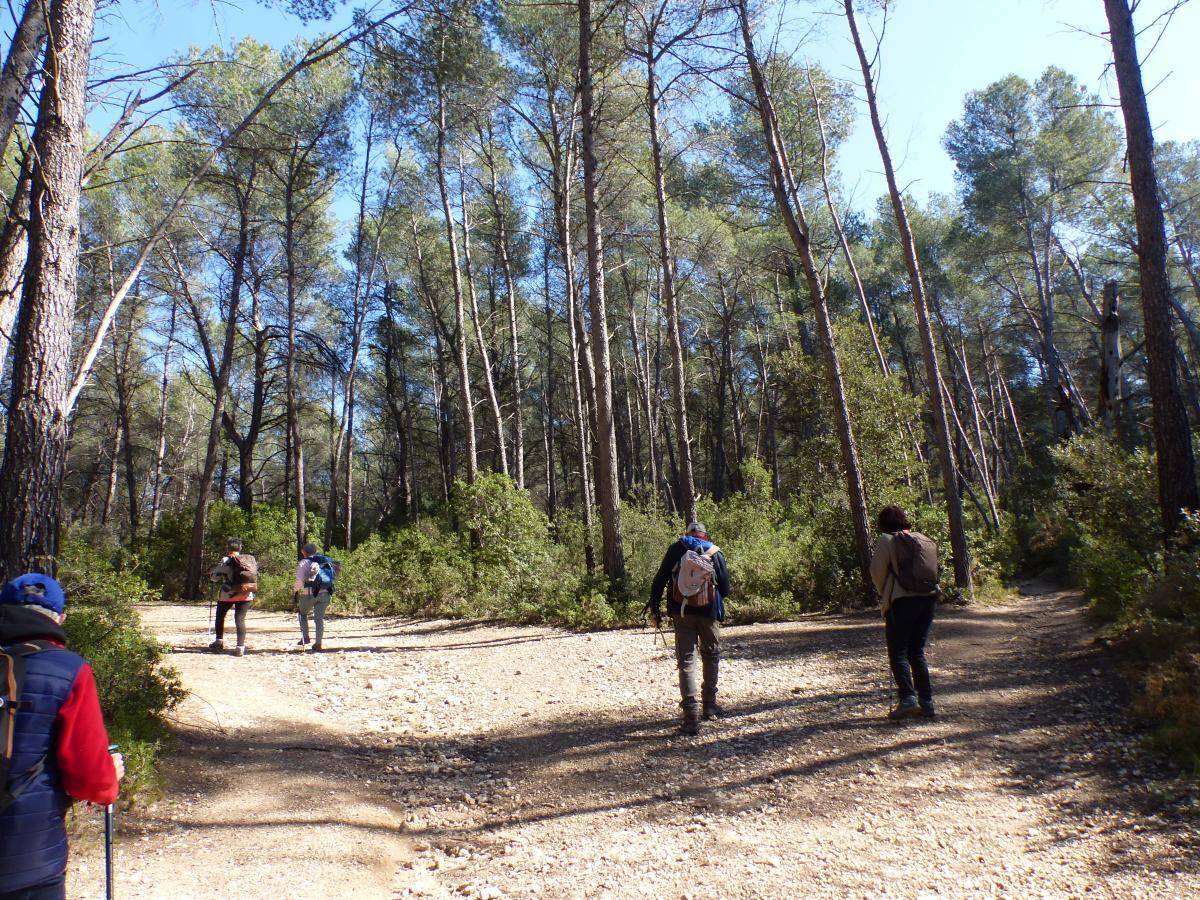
[(212, 594), (109, 815)]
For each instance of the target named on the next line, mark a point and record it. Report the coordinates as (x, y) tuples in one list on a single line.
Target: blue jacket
[(666, 571), (33, 835)]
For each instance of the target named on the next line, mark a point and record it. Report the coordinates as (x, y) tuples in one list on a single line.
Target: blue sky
[(936, 51)]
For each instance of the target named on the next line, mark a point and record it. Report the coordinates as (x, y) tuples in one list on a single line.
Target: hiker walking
[(904, 568), (53, 745), (698, 575), (237, 575), (315, 576)]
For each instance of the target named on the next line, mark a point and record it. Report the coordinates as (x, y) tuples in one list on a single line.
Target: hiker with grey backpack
[(698, 576), (315, 576), (904, 568)]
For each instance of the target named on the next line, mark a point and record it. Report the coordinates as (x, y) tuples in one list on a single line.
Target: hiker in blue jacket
[(698, 576)]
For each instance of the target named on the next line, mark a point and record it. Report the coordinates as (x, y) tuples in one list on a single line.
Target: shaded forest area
[(488, 298)]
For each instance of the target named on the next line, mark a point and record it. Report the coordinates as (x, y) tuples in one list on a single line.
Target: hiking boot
[(239, 651), (928, 709), (315, 648), (303, 642), (690, 726), (217, 646), (713, 711), (905, 709)]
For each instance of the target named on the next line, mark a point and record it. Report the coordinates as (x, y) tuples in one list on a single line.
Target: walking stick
[(109, 815)]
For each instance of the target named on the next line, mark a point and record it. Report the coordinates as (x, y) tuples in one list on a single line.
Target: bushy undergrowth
[(1106, 526), (136, 689)]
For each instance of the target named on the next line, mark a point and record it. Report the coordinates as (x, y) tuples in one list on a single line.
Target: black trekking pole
[(108, 844), (212, 595)]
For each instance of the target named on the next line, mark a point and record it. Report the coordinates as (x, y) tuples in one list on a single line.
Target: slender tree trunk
[(607, 491), (460, 317), (1177, 490), (937, 400), (489, 383), (666, 262), (191, 590), (35, 447), (20, 65), (291, 385), (1110, 359), (510, 295), (160, 451), (786, 199), (14, 251)]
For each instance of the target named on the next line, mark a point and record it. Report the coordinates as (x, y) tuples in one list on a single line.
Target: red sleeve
[(82, 752)]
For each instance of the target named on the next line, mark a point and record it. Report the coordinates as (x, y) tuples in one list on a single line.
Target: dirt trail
[(454, 759)]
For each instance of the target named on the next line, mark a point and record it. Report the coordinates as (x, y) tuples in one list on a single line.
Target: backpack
[(326, 573), (12, 680), (243, 577), (916, 558), (695, 579)]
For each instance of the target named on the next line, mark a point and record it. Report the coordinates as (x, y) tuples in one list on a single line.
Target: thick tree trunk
[(35, 447), (607, 491), (1177, 490), (784, 189), (937, 400)]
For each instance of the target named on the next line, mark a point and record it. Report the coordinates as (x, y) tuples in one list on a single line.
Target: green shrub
[(1107, 504), (410, 571), (136, 690)]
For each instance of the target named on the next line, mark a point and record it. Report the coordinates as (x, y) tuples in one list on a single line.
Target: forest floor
[(457, 759)]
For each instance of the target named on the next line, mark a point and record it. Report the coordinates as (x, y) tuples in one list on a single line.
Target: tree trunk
[(160, 451), (1110, 359), (686, 488), (1177, 491), (607, 491), (20, 65), (191, 589), (36, 434), (489, 383), (937, 400), (784, 189), (14, 252), (460, 317)]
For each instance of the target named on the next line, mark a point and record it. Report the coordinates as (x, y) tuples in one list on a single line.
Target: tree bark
[(36, 434), (20, 65), (607, 490), (1177, 490), (937, 400)]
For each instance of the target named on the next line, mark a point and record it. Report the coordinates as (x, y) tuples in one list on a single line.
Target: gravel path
[(451, 759)]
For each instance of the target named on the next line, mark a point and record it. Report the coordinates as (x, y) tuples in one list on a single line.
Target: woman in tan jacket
[(907, 612)]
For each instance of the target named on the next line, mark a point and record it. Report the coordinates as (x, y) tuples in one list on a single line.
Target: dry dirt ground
[(451, 759)]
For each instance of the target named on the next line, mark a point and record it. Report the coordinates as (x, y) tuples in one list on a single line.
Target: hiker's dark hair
[(892, 519), (234, 544)]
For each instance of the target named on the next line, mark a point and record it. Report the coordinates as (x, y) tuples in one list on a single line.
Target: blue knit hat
[(35, 590)]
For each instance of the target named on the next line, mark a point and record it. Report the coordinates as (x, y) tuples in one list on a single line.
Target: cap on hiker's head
[(697, 528), (234, 544), (34, 589)]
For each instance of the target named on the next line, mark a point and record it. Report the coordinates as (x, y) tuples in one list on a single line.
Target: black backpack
[(12, 680), (916, 562)]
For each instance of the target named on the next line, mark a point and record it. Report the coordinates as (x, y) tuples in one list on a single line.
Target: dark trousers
[(47, 890), (692, 632), (907, 628), (239, 619)]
